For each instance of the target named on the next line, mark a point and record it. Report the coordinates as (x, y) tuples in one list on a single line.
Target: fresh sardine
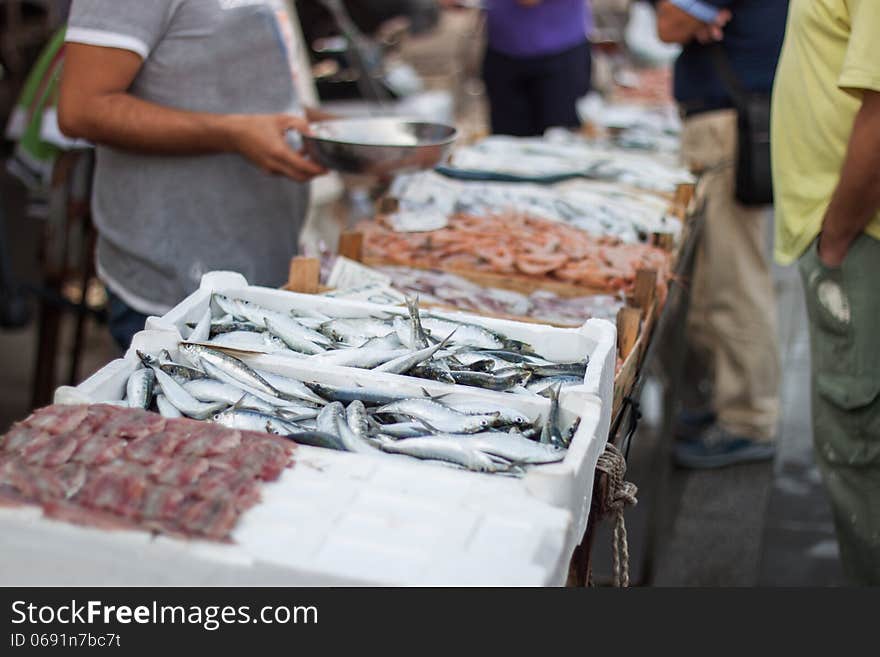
[(439, 417), (363, 357), (357, 419), (372, 395), (404, 363), (550, 434), (247, 420), (434, 449), (183, 401), (511, 446), (211, 390), (491, 381), (355, 332), (466, 335), (291, 388), (139, 388), (471, 406), (227, 305), (402, 429), (231, 366), (296, 336), (166, 408), (332, 420), (542, 386), (317, 439)]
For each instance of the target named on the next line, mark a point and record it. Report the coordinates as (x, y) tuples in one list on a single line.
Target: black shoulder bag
[(754, 182)]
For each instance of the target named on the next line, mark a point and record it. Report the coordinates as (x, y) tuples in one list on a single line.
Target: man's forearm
[(123, 121), (94, 104), (856, 200)]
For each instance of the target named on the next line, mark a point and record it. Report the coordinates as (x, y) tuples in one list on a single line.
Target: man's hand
[(832, 252), (712, 32), (856, 199), (675, 25), (262, 140)]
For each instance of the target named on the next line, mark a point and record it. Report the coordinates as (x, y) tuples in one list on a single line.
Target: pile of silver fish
[(455, 430), (401, 341), (598, 208), (565, 155), (447, 289)]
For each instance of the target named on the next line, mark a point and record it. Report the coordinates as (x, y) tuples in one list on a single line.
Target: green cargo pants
[(843, 304)]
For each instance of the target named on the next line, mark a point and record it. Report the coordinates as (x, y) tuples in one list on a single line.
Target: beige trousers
[(732, 323)]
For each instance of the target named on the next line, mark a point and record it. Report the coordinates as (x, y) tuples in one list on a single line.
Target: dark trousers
[(123, 321), (527, 95)]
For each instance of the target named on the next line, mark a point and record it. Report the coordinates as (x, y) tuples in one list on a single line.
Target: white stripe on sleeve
[(107, 40)]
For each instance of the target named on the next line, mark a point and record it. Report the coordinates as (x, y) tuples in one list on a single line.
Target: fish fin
[(428, 426), (545, 435), (435, 397), (412, 305), (515, 465), (508, 465), (295, 418), (446, 340)]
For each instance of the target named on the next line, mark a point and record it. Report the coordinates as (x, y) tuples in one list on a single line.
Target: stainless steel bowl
[(378, 146)]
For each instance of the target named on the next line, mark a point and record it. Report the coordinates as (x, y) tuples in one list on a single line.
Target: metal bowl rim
[(439, 142)]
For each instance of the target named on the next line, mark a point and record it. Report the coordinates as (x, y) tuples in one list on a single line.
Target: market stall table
[(346, 518)]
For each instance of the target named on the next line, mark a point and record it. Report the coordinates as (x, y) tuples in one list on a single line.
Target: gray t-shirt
[(165, 221)]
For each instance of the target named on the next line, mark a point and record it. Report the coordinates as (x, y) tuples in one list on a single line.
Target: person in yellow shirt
[(825, 140)]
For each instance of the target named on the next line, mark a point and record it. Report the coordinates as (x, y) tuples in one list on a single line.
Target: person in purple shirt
[(537, 63)]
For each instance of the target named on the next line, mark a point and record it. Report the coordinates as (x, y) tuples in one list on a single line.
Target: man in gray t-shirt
[(189, 103)]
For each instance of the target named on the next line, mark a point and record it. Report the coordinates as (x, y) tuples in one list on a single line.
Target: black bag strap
[(728, 76)]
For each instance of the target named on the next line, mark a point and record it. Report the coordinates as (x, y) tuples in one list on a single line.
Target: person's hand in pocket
[(832, 252)]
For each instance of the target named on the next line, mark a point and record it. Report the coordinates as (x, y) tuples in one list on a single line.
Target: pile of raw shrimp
[(515, 244)]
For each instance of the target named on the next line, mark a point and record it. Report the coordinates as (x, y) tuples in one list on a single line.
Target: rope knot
[(619, 493)]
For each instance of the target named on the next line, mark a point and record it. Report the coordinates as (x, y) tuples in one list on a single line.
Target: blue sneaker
[(718, 448), (692, 424)]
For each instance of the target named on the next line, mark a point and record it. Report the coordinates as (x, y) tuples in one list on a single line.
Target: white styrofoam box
[(332, 519), (326, 503), (386, 519)]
